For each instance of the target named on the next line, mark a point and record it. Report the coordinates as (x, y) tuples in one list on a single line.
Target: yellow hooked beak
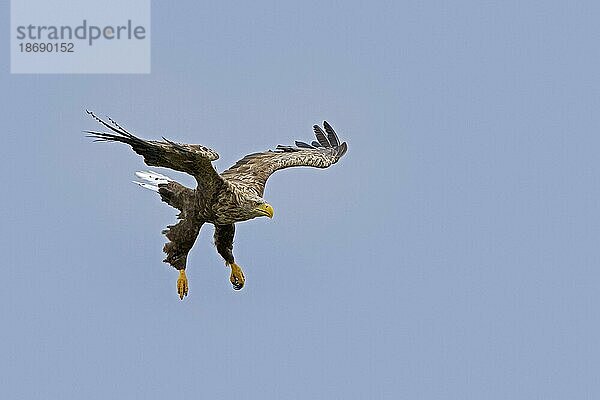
[(265, 209)]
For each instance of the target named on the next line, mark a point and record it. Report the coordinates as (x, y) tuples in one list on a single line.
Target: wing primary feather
[(303, 145), (116, 128), (331, 135), (116, 124), (342, 150), (103, 136), (286, 148), (320, 135)]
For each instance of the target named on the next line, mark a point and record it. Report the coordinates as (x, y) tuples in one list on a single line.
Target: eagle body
[(227, 205), (235, 195)]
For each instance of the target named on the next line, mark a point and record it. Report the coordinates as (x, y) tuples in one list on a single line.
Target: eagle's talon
[(237, 277), (182, 284)]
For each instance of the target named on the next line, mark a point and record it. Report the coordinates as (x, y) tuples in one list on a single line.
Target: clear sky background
[(452, 254)]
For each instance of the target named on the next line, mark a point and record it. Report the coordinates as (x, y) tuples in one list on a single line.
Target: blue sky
[(452, 254)]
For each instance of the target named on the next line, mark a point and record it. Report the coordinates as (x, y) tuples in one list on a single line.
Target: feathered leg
[(181, 239), (224, 242), (182, 235)]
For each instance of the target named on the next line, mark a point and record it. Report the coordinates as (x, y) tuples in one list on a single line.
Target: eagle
[(221, 199)]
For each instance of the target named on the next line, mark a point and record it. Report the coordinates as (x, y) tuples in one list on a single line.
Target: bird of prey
[(224, 199)]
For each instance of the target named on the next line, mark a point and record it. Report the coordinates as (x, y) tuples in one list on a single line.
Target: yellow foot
[(237, 278), (182, 284)]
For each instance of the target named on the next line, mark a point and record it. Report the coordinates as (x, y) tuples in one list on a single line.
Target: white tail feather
[(153, 177), (147, 186)]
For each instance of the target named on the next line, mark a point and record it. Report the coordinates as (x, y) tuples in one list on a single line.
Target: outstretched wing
[(193, 159), (253, 170)]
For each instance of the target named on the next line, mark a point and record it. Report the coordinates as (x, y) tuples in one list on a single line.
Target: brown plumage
[(220, 199)]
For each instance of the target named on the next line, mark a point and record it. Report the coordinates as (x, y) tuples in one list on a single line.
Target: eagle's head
[(239, 204), (252, 206), (260, 208)]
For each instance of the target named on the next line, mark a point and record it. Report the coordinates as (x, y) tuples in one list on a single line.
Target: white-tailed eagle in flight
[(221, 199)]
